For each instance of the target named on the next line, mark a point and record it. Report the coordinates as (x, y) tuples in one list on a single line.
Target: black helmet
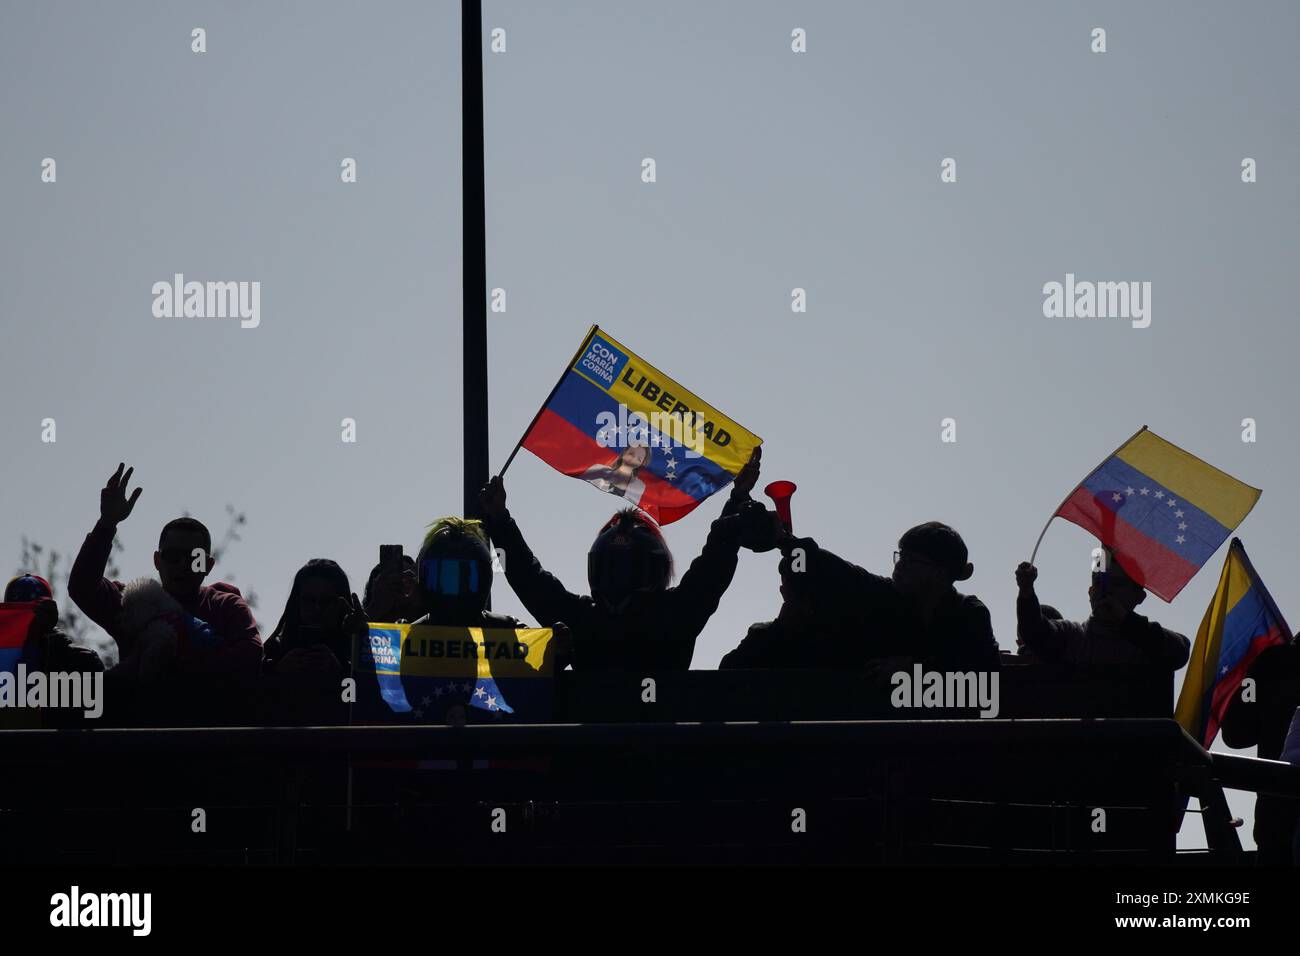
[(628, 557), (454, 572)]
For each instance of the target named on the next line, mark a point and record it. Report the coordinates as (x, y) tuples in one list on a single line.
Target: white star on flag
[(1171, 502), (1160, 494), (1128, 491), (1180, 539), (1117, 497), (1182, 526), (1145, 491), (479, 692), (1178, 513), (491, 702)]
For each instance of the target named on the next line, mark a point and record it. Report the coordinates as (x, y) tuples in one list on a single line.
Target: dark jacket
[(767, 644), (55, 653), (657, 633), (239, 648), (804, 642), (871, 618), (1092, 647)]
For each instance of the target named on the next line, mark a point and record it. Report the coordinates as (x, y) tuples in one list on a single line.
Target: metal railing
[(877, 791)]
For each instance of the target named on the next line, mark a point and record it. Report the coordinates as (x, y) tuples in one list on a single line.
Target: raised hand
[(1026, 575), (114, 506), (354, 617), (492, 497), (747, 477)]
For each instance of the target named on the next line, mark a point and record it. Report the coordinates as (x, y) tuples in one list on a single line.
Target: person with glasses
[(225, 639), (916, 615)]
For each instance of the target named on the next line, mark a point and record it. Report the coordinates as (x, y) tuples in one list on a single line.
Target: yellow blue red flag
[(1162, 510), (15, 622), (1240, 622), (620, 424), (421, 672)]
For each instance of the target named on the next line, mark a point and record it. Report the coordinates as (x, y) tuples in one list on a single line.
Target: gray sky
[(775, 170)]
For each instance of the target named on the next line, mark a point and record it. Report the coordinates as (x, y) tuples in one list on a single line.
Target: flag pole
[(560, 381), (474, 398), (1076, 488)]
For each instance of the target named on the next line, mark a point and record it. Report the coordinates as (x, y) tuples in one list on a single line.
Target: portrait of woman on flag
[(619, 477)]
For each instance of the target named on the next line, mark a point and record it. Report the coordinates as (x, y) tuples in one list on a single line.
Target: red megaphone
[(780, 492)]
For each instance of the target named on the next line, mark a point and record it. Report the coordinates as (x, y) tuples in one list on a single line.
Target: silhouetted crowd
[(834, 614)]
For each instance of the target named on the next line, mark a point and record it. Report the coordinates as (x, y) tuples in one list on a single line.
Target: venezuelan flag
[(15, 622), (1163, 511), (421, 671), (1240, 622), (617, 422)]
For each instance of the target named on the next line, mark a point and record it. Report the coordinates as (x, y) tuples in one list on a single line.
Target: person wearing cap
[(1114, 638), (633, 619), (916, 615), (47, 648)]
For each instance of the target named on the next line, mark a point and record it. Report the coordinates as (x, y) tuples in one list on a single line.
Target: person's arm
[(700, 590), (827, 581), (1034, 630), (101, 599), (541, 592)]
